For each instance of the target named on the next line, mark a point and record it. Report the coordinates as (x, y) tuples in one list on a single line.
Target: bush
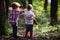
[(8, 29)]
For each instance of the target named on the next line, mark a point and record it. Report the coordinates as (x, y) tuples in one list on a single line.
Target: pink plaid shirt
[(14, 16)]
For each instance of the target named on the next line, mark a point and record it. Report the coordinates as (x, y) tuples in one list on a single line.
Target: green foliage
[(8, 30), (59, 2), (21, 21), (38, 6), (58, 12), (42, 18), (58, 28), (43, 23)]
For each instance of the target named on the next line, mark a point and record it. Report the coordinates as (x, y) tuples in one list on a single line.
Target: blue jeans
[(15, 30)]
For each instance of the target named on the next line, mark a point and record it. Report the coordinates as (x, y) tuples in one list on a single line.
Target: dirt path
[(35, 36)]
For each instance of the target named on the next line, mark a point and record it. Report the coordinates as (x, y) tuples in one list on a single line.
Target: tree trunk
[(30, 1), (2, 18), (3, 12), (45, 5), (54, 8), (24, 3), (7, 5)]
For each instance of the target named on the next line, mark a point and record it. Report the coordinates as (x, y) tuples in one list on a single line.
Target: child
[(29, 16), (14, 17)]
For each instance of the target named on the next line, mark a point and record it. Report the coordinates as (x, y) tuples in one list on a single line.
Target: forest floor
[(50, 36)]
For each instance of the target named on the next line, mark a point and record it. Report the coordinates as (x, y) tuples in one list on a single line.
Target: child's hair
[(13, 6), (29, 7)]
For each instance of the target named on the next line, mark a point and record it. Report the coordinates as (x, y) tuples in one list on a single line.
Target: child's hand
[(35, 21), (21, 11)]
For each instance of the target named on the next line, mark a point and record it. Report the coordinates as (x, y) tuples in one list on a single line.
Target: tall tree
[(45, 5), (7, 3), (54, 8), (3, 15), (2, 18), (30, 1), (24, 3)]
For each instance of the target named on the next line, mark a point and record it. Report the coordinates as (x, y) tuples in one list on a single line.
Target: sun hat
[(31, 6), (16, 3)]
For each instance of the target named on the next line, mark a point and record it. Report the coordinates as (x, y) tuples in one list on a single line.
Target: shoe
[(30, 38), (16, 37)]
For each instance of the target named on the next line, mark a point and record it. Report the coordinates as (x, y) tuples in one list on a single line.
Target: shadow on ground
[(35, 38)]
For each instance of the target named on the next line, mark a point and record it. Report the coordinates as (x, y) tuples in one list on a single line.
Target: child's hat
[(30, 5), (16, 3)]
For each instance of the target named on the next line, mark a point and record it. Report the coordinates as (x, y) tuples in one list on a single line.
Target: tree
[(24, 3), (3, 15), (30, 1), (45, 5), (54, 8)]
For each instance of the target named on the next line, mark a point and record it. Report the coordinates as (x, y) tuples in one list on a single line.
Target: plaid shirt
[(14, 16)]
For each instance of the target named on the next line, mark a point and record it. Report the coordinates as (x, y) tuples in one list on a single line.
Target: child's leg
[(26, 34), (14, 30), (31, 31), (31, 34)]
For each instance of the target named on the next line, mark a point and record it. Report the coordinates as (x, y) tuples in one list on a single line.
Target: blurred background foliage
[(42, 17)]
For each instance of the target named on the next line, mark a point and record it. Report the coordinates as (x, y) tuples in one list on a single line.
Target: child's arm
[(21, 12), (35, 21)]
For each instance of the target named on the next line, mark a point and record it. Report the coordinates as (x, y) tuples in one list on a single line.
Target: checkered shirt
[(14, 16)]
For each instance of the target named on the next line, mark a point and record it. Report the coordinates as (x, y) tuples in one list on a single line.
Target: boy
[(14, 17), (29, 16)]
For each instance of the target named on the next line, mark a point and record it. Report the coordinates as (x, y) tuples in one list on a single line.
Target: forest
[(47, 15)]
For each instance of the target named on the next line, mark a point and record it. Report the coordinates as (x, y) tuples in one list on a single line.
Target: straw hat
[(16, 3)]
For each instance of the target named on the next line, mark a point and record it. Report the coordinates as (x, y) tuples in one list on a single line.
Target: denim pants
[(15, 29)]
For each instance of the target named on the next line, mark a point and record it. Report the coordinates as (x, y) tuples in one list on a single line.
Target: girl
[(14, 17), (29, 16)]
